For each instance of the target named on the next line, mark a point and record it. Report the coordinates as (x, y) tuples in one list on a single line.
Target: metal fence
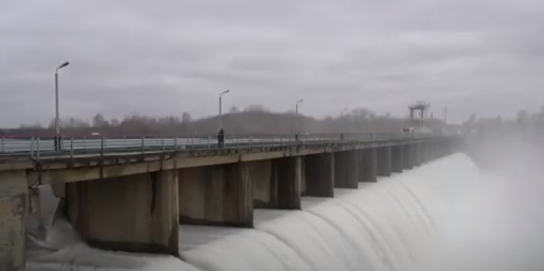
[(71, 146)]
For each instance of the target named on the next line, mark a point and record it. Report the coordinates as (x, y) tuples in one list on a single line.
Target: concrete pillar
[(220, 195), (59, 190), (424, 148), (435, 150), (263, 183), (288, 172), (416, 153), (302, 175), (320, 175), (384, 161), (429, 151), (276, 183), (397, 159), (442, 148), (345, 170), (13, 208), (135, 213), (408, 160), (368, 165)]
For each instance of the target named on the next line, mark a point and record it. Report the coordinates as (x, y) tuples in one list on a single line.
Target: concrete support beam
[(397, 159), (219, 195), (320, 175), (13, 209), (135, 213), (276, 183), (384, 161), (408, 160), (368, 165), (345, 170)]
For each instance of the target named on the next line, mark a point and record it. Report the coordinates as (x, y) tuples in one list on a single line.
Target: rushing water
[(446, 215)]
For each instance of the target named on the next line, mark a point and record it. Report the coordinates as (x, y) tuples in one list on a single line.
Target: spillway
[(418, 220)]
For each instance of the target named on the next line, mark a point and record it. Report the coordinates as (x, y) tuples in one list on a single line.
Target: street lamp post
[(296, 117), (341, 117), (296, 106), (57, 119), (220, 108), (342, 112)]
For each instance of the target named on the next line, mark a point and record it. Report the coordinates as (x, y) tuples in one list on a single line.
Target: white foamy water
[(435, 217)]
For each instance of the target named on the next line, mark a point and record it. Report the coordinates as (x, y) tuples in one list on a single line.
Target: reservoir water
[(445, 215)]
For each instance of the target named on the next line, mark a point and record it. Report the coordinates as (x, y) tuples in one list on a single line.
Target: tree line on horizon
[(254, 119), (523, 121)]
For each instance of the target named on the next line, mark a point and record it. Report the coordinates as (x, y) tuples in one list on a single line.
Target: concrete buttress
[(397, 159), (408, 157), (220, 195), (135, 213), (345, 169), (276, 183), (384, 161), (320, 175), (368, 165), (13, 208), (417, 154)]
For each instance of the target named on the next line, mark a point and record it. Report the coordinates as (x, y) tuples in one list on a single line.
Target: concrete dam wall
[(398, 223)]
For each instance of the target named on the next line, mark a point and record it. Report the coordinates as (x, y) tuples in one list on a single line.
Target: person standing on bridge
[(221, 138)]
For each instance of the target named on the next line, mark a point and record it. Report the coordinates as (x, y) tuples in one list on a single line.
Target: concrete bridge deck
[(44, 146), (134, 199)]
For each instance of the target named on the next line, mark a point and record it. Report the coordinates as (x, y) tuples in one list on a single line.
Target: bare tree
[(234, 109), (100, 122), (186, 118)]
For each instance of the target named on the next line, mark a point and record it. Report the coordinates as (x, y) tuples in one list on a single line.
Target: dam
[(438, 216)]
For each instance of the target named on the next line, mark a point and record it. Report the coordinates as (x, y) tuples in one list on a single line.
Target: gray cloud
[(165, 57)]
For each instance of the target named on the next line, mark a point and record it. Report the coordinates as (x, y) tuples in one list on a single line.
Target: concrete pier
[(135, 213), (384, 161), (417, 155), (302, 175), (288, 175), (408, 157), (345, 170), (368, 165), (429, 151), (13, 209), (320, 175), (264, 183), (397, 159), (276, 183), (216, 195)]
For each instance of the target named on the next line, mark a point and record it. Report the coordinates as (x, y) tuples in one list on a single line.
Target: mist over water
[(445, 215)]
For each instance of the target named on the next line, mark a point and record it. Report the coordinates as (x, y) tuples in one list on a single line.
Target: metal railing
[(36, 147)]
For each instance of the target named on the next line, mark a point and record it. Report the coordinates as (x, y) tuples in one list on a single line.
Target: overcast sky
[(164, 57)]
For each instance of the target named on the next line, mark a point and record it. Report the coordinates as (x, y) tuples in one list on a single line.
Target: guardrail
[(37, 147)]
